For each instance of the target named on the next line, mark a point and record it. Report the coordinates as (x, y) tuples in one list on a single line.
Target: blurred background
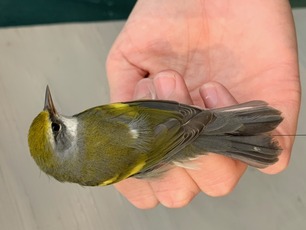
[(36, 49)]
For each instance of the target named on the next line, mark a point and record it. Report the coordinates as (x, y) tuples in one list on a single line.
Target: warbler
[(106, 144)]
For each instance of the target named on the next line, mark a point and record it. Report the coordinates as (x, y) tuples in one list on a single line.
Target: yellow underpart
[(118, 105), (109, 181), (136, 169)]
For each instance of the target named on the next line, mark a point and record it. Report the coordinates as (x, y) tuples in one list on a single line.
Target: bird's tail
[(242, 132)]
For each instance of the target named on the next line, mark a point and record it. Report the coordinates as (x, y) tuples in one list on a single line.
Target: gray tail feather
[(240, 132), (258, 151), (248, 118)]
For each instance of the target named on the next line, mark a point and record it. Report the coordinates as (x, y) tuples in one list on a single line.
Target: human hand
[(247, 46)]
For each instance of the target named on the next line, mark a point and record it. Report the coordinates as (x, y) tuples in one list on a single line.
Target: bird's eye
[(55, 127)]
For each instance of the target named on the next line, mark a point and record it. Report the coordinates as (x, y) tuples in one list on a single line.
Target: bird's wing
[(183, 125)]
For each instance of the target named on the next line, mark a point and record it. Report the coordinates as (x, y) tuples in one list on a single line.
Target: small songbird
[(106, 144)]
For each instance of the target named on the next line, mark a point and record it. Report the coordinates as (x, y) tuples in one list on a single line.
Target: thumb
[(122, 77), (165, 85)]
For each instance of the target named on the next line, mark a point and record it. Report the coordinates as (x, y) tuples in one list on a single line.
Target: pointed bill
[(49, 103)]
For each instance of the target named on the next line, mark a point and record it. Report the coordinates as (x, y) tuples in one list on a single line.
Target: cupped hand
[(216, 51)]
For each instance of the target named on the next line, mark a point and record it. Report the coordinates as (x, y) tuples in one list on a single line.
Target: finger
[(176, 188), (145, 89), (218, 175), (166, 85), (170, 85), (138, 192), (122, 76), (216, 95)]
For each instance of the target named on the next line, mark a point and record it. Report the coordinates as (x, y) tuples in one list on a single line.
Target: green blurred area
[(298, 3), (29, 12)]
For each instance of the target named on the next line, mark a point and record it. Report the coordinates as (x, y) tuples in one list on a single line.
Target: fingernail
[(209, 94), (145, 89), (164, 86)]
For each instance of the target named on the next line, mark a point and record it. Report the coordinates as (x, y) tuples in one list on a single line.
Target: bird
[(145, 138)]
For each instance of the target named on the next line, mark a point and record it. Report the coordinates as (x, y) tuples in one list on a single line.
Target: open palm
[(249, 47)]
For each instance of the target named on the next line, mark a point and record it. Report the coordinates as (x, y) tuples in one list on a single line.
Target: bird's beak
[(49, 103)]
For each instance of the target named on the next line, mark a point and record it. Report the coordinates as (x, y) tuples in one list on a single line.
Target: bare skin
[(211, 54)]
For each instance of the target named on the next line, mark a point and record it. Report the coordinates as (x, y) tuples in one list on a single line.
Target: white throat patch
[(71, 124)]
